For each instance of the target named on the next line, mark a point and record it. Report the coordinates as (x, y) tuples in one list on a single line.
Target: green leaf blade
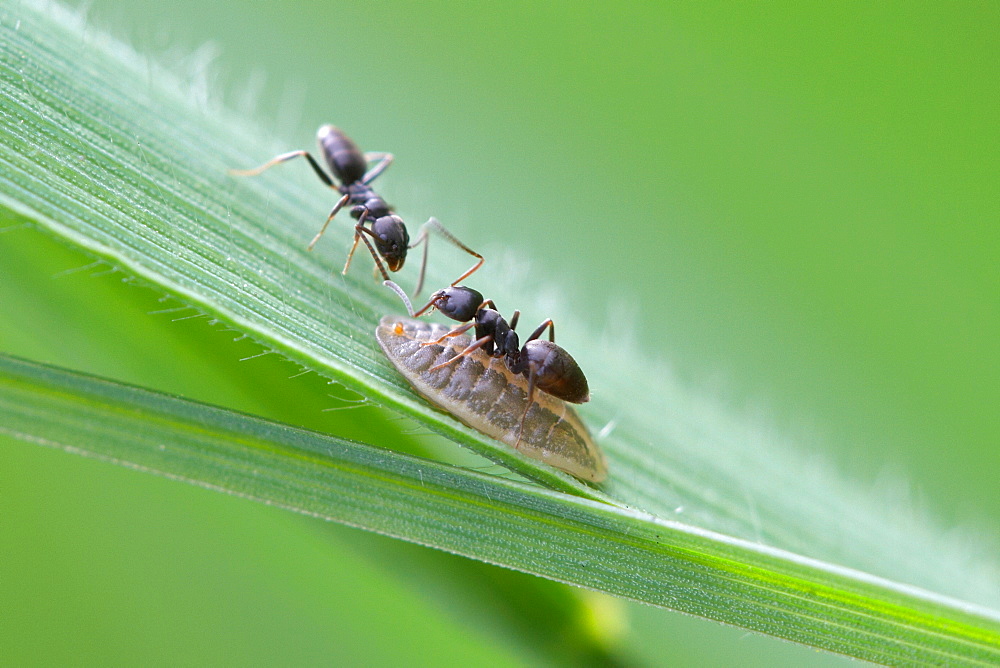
[(591, 544)]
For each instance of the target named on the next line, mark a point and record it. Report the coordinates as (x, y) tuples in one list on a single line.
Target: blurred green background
[(795, 207)]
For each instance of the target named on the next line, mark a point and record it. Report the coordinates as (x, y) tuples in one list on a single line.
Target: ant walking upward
[(352, 179), (547, 366)]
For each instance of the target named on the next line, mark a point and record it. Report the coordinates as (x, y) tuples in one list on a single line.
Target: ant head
[(391, 240), (457, 302)]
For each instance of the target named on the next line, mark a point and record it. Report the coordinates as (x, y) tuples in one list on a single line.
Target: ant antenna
[(399, 292), (423, 236)]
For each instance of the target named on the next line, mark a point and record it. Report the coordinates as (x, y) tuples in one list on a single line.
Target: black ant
[(546, 366), (349, 166)]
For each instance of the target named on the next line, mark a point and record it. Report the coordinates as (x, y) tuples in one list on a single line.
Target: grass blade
[(625, 552)]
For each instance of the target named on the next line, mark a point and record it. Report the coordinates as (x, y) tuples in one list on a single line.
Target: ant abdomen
[(345, 159), (555, 371)]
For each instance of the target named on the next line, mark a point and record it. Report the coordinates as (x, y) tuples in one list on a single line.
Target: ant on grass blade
[(383, 232)]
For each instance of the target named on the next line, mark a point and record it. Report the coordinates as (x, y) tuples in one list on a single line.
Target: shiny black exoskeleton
[(352, 179), (546, 365)]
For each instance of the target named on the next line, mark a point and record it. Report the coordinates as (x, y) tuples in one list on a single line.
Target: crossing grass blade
[(580, 541)]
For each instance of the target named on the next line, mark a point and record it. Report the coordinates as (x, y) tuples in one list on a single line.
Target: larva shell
[(481, 392)]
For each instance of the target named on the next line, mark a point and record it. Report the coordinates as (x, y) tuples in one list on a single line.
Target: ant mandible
[(349, 167), (547, 366)]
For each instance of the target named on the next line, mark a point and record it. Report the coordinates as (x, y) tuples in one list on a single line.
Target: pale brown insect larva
[(480, 391)]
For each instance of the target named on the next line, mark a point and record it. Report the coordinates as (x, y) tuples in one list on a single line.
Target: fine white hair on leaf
[(202, 81)]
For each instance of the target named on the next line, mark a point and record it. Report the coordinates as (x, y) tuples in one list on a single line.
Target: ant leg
[(461, 329), (422, 237), (475, 345), (354, 246), (357, 237), (378, 262), (285, 157), (426, 307), (513, 319), (423, 260), (359, 234), (429, 305), (541, 328), (382, 162), (337, 207), (527, 407)]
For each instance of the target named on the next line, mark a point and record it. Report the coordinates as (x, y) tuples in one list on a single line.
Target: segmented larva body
[(481, 392)]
